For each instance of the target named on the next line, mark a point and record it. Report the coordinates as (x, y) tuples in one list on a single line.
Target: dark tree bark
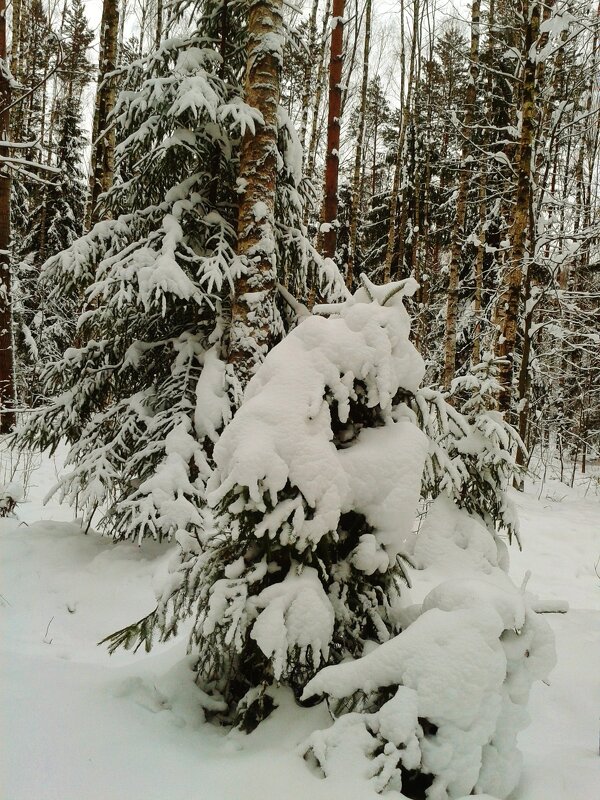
[(358, 158), (103, 140), (458, 228)]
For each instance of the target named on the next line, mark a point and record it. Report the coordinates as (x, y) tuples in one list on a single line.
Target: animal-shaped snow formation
[(450, 691)]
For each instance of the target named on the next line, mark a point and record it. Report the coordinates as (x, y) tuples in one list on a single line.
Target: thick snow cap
[(282, 437)]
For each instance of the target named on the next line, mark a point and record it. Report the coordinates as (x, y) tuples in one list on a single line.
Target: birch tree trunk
[(7, 372), (461, 205), (328, 231), (103, 140), (524, 378), (356, 181), (509, 302), (16, 38), (253, 309)]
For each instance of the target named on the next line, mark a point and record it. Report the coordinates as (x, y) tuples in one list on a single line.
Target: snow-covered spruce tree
[(315, 490), (45, 320), (142, 395)]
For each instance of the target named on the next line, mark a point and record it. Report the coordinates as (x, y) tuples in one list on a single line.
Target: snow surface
[(80, 725)]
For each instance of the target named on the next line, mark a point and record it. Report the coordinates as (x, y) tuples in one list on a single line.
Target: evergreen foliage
[(472, 452), (143, 393)]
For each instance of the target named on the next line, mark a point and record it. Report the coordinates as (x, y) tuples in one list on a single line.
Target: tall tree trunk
[(7, 371), (253, 307), (16, 38), (458, 228), (103, 140), (356, 182), (314, 127), (328, 232), (159, 23), (524, 380), (308, 73), (397, 233), (479, 262), (398, 166), (508, 305)]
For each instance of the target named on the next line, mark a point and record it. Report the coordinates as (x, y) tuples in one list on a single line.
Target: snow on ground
[(80, 725), (561, 547)]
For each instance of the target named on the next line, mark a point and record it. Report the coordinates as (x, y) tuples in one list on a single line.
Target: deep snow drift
[(80, 725)]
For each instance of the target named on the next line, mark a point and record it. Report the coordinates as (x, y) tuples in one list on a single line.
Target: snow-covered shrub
[(472, 449), (316, 484), (144, 391), (443, 701)]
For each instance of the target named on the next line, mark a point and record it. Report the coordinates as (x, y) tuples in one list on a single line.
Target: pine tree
[(304, 562), (143, 395)]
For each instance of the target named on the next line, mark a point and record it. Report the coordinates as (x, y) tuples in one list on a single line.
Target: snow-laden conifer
[(143, 392), (472, 449), (317, 481), (314, 496)]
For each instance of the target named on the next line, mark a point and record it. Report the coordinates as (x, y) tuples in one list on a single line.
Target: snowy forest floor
[(80, 725)]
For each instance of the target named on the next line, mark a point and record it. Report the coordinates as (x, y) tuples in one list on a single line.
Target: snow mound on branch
[(296, 614), (454, 540)]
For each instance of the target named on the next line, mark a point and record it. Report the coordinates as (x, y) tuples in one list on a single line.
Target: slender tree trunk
[(159, 23), (458, 229), (121, 33), (7, 371), (402, 176), (144, 9), (398, 166), (349, 65), (479, 261), (329, 211), (508, 307), (308, 73), (253, 304), (374, 161), (103, 140), (524, 380), (16, 38), (356, 182), (314, 128)]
